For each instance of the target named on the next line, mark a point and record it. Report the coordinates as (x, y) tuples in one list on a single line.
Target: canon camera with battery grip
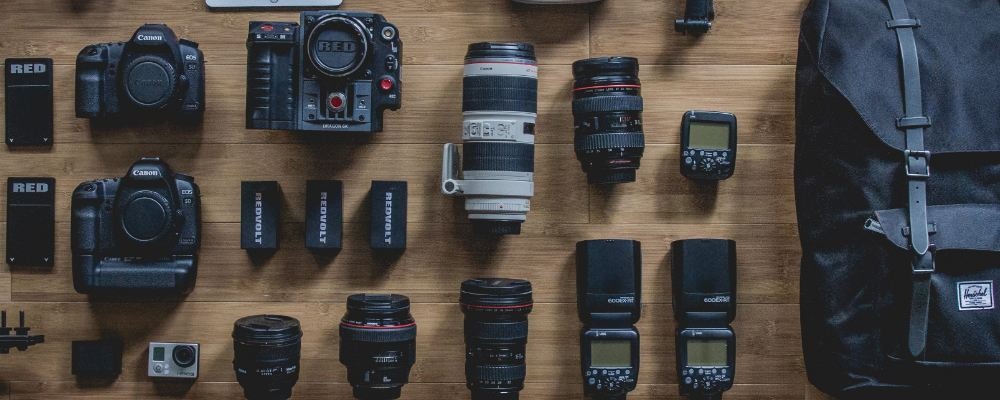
[(136, 234)]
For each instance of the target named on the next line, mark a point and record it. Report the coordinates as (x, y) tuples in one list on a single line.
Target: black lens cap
[(338, 45), (501, 50), (150, 81), (606, 66), (495, 292), (267, 328), (146, 216), (378, 304)]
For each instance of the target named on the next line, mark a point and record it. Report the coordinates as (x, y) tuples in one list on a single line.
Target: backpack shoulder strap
[(917, 161)]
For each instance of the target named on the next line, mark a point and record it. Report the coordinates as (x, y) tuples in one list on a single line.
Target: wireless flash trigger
[(704, 287)]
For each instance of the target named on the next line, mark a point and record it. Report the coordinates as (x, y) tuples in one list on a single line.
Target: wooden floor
[(745, 66)]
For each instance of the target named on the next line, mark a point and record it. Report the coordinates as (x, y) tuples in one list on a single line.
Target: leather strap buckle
[(918, 164), (923, 264)]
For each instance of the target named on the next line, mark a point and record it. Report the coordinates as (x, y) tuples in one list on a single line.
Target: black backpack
[(897, 184)]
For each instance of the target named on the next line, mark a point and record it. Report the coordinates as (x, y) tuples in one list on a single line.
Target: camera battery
[(388, 213), (31, 221), (324, 215), (28, 97), (260, 212)]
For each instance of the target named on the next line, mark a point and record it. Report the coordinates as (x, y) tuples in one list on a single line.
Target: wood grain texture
[(745, 66)]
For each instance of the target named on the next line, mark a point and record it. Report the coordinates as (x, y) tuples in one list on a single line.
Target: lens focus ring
[(610, 141), (602, 104), (499, 372), (498, 156), (500, 93)]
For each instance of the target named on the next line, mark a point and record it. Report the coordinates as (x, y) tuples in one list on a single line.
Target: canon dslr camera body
[(333, 72), (153, 73), (139, 233)]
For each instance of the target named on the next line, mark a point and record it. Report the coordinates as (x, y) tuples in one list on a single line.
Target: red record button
[(267, 28), (336, 101), (386, 84)]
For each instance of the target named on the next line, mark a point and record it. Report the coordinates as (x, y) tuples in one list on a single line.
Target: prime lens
[(496, 332), (267, 350), (378, 344), (499, 108), (607, 110)]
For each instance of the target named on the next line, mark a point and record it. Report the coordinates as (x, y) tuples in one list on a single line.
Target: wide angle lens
[(496, 333), (267, 350), (607, 110), (378, 344)]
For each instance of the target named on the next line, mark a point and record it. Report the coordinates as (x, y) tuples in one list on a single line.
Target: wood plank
[(315, 390), (764, 334), (744, 32), (432, 98), (433, 31), (438, 259)]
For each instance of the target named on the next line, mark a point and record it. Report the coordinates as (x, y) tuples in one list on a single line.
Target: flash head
[(704, 281), (608, 281)]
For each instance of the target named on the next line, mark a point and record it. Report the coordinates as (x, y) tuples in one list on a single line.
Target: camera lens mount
[(338, 45)]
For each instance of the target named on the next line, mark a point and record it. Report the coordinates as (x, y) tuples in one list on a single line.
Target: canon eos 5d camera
[(153, 74), (138, 234), (333, 72)]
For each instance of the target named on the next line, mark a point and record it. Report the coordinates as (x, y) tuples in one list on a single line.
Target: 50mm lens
[(378, 344), (267, 350)]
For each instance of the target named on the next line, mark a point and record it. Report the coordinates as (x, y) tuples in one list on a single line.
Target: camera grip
[(173, 275), (86, 212), (270, 86), (90, 65)]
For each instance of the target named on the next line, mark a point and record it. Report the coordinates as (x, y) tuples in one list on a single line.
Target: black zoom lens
[(607, 110), (496, 332), (378, 344), (267, 350)]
